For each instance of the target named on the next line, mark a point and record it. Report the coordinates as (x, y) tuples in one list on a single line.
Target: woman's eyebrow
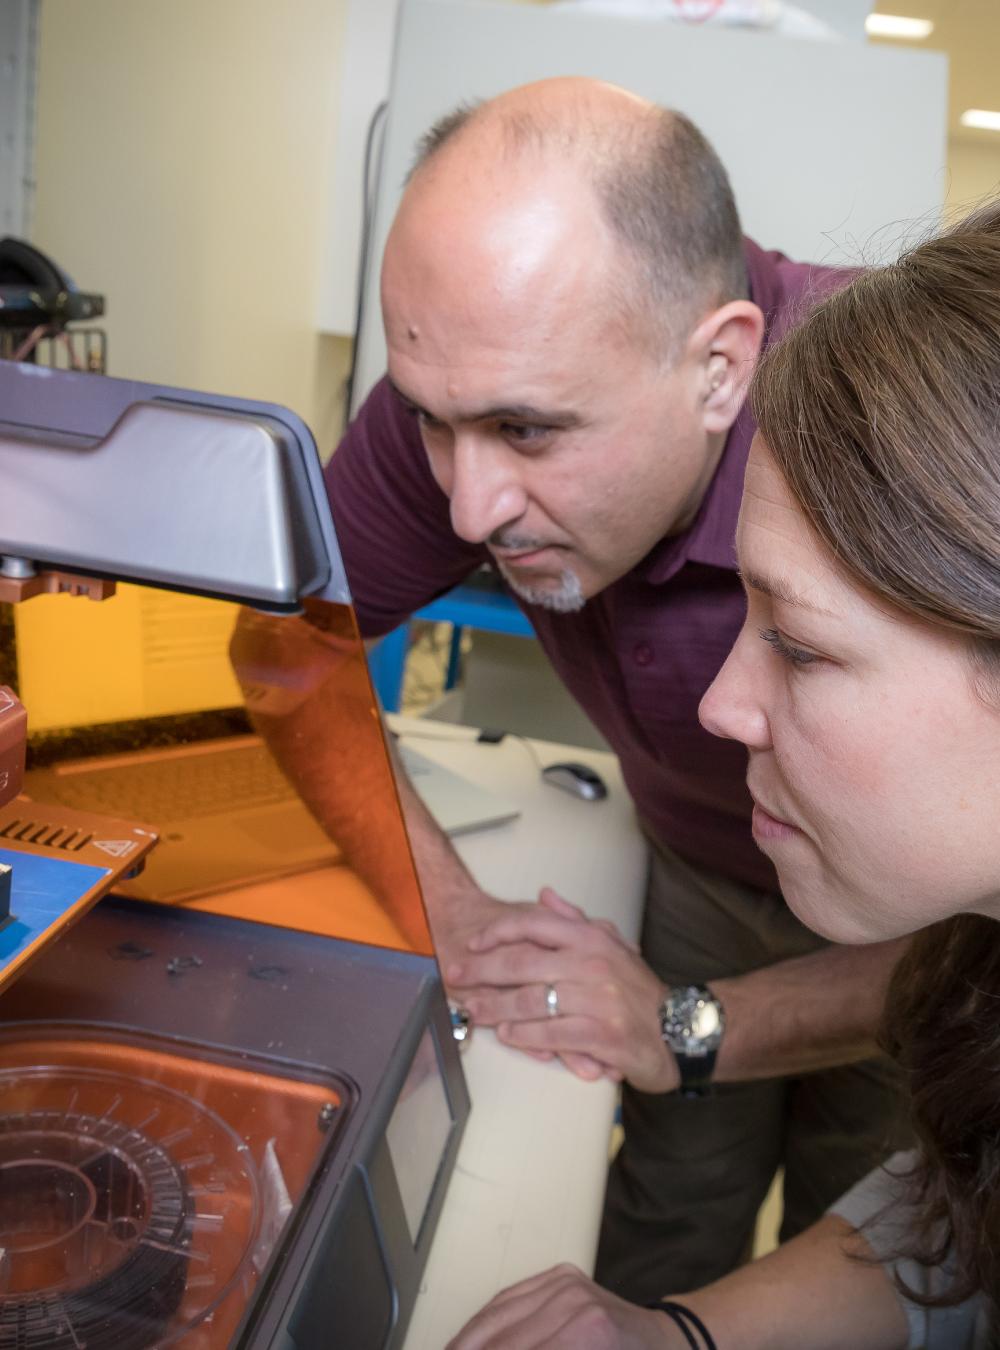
[(778, 589)]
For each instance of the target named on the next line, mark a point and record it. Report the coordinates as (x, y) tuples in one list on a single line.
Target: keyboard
[(179, 787)]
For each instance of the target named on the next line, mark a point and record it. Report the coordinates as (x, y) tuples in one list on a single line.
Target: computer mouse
[(580, 779)]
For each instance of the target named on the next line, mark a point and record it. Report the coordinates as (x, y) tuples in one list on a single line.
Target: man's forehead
[(514, 248), (473, 357), (489, 198)]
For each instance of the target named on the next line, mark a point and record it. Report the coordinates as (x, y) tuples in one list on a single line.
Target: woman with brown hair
[(866, 687)]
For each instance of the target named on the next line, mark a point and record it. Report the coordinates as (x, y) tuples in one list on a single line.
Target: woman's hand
[(563, 1310), (608, 998)]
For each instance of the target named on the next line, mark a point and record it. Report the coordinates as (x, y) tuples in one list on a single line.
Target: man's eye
[(522, 433), (796, 656), (428, 422)]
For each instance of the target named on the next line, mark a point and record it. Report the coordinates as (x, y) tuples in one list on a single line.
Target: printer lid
[(166, 487)]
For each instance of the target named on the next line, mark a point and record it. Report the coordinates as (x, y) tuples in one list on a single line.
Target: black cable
[(368, 187)]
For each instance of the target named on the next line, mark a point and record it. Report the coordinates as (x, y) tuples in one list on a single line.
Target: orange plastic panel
[(307, 688)]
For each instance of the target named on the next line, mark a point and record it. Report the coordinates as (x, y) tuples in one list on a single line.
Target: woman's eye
[(796, 656)]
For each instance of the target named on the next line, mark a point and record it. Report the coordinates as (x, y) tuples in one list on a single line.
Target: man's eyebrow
[(501, 412), (778, 590)]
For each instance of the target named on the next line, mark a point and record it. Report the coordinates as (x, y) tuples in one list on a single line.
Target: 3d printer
[(230, 1098)]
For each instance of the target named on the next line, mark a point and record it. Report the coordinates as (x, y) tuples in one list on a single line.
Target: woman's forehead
[(780, 554), (777, 549)]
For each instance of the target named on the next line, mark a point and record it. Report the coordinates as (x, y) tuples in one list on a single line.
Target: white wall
[(824, 177), (18, 20), (183, 153)]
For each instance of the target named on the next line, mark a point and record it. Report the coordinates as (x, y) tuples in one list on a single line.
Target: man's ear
[(725, 347)]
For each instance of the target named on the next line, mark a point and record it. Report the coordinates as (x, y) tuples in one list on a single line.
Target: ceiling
[(969, 31)]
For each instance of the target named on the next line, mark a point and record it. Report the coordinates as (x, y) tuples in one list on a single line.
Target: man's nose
[(734, 705), (486, 493)]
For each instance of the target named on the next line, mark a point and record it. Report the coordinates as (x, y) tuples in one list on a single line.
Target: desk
[(529, 1182)]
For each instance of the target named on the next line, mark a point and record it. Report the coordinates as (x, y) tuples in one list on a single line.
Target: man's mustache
[(511, 542)]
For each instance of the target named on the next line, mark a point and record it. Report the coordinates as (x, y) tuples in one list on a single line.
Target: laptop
[(225, 813), (457, 804)]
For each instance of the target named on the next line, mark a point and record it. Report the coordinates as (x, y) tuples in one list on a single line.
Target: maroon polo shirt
[(639, 656)]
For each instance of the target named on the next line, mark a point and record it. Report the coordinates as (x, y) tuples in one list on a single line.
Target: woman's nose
[(734, 705)]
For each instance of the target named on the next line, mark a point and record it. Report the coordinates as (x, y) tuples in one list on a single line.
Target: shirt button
[(642, 654)]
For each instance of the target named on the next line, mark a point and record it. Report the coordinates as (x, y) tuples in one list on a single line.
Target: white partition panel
[(836, 149), (18, 30)]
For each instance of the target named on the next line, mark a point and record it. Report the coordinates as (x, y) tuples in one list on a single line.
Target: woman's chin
[(827, 913)]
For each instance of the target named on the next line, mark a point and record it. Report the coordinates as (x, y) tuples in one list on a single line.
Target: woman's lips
[(769, 829)]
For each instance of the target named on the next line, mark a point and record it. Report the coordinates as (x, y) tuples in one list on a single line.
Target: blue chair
[(477, 603)]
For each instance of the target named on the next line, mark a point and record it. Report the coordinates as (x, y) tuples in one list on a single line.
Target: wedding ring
[(461, 1023), (552, 1000)]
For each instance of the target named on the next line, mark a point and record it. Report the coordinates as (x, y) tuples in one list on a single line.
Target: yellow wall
[(183, 154), (973, 174)]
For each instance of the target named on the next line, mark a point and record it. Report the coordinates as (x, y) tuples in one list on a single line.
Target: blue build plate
[(42, 891)]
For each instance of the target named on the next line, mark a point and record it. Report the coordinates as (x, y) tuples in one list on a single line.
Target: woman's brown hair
[(882, 411)]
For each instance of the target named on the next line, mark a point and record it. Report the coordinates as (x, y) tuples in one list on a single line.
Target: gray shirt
[(964, 1327)]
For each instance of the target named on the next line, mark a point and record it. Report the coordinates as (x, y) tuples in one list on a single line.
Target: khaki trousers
[(684, 1191)]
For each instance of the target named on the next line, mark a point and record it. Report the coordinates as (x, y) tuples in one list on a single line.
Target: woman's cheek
[(849, 740)]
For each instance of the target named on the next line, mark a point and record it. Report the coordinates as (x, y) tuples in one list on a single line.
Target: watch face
[(692, 1021), (705, 1020)]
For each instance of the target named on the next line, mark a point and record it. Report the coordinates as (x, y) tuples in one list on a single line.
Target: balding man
[(571, 317)]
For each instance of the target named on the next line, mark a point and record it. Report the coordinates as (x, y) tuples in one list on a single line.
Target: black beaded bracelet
[(684, 1319)]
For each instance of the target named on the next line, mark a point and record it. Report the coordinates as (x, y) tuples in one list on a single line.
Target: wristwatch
[(692, 1021)]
